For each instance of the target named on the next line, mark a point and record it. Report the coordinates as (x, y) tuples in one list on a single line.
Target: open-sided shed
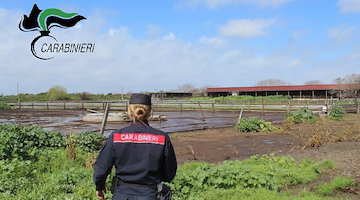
[(295, 91)]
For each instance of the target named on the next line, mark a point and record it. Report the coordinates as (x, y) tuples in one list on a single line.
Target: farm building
[(170, 94), (295, 91)]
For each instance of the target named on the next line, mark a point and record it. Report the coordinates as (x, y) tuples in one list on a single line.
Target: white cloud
[(212, 41), (154, 31), (347, 6), (341, 33), (213, 4), (171, 36), (297, 35), (246, 28)]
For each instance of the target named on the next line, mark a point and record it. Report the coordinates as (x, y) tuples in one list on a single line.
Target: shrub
[(57, 93), (254, 124), (4, 106), (86, 141), (336, 113), (25, 142), (302, 115)]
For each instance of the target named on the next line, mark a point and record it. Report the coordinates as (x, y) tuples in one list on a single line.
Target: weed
[(303, 115), (328, 164), (338, 183), (254, 124), (336, 113), (315, 139)]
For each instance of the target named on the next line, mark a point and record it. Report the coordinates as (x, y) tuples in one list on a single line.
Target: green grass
[(338, 183), (4, 106), (29, 170)]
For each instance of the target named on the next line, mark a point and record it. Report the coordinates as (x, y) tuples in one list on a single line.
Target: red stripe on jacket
[(139, 138)]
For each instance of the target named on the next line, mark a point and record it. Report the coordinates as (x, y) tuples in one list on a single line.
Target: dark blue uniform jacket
[(141, 155)]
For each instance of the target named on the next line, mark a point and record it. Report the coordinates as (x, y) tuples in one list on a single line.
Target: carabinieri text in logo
[(43, 21)]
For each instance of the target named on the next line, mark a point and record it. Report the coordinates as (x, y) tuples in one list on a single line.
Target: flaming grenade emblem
[(44, 20)]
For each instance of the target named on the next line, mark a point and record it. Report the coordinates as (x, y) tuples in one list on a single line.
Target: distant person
[(143, 156)]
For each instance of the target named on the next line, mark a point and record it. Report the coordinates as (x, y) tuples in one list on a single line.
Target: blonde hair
[(139, 112)]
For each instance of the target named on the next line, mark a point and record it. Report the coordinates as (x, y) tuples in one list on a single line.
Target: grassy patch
[(338, 183)]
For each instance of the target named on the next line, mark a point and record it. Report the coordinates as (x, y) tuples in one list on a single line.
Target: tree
[(272, 82), (349, 87), (187, 88), (85, 96), (57, 93), (313, 82), (203, 89)]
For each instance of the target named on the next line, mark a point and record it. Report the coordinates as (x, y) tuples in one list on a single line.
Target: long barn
[(295, 91)]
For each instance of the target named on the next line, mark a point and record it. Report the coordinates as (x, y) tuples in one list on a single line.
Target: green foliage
[(87, 141), (254, 124), (254, 194), (44, 171), (25, 142), (52, 176), (328, 164), (57, 93), (34, 165), (268, 172), (251, 99), (4, 106), (302, 115), (336, 113), (337, 183)]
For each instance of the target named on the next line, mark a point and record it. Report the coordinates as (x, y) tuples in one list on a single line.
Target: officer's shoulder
[(156, 131)]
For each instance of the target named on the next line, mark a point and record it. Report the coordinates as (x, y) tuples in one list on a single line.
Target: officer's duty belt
[(153, 186)]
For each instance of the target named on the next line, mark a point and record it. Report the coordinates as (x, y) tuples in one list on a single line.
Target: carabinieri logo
[(43, 21)]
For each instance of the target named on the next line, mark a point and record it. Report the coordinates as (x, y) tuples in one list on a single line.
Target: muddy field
[(217, 145), (70, 121), (219, 141)]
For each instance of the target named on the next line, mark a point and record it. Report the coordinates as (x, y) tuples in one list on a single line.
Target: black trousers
[(134, 193)]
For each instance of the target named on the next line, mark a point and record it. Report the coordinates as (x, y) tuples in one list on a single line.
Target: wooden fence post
[(203, 117), (263, 108), (106, 113), (240, 115)]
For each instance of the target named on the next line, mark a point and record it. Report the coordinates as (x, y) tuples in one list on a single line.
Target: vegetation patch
[(338, 183), (264, 174), (39, 164), (4, 106), (336, 113), (303, 115), (254, 124)]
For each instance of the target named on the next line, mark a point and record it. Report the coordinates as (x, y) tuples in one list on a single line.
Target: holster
[(164, 192), (114, 184)]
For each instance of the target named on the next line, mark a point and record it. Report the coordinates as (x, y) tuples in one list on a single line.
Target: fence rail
[(173, 105)]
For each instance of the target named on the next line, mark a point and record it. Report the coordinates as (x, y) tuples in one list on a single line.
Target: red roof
[(274, 88)]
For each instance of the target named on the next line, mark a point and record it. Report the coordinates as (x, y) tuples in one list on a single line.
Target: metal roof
[(274, 88)]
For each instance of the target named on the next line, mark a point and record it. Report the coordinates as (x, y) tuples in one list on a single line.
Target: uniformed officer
[(143, 156)]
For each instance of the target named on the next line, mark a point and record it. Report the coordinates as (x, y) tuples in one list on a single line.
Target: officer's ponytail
[(139, 112)]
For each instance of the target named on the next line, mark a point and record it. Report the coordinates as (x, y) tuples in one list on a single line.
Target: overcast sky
[(159, 45)]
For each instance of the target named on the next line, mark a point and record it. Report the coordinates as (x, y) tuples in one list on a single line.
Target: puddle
[(268, 142)]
